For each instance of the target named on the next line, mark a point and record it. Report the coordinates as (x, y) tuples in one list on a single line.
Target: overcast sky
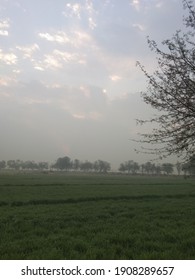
[(69, 85)]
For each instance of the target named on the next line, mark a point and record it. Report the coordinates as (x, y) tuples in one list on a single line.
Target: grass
[(65, 216)]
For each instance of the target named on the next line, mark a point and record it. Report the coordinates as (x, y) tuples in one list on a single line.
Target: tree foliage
[(171, 91)]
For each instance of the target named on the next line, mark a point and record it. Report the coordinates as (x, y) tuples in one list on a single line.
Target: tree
[(29, 165), (171, 91), (43, 165), (167, 168), (101, 166), (86, 166), (189, 167), (2, 164), (122, 167), (178, 167), (11, 164), (149, 167), (63, 163), (129, 166)]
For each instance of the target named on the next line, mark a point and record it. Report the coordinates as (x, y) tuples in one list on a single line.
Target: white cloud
[(75, 38), (57, 59), (86, 91), (4, 25), (8, 58), (115, 78), (6, 81), (81, 11), (52, 62), (91, 11), (79, 116), (73, 10), (59, 37), (39, 68), (92, 23), (4, 33), (16, 71), (136, 4), (29, 50), (81, 38), (141, 27), (65, 56)]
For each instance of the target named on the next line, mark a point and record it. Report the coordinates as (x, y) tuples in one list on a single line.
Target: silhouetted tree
[(189, 167), (129, 166), (122, 167), (102, 166), (167, 168), (171, 91), (43, 165), (86, 166), (178, 167), (63, 163), (2, 164)]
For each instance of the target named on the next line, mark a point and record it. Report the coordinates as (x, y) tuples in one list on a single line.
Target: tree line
[(61, 164), (100, 166), (65, 163)]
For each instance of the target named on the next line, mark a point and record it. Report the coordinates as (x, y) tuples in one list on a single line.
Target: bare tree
[(171, 91)]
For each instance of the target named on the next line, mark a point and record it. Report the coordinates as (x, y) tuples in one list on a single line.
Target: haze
[(69, 85)]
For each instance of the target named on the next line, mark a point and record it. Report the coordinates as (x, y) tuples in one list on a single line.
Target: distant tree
[(29, 165), (171, 91), (63, 163), (122, 167), (178, 167), (142, 168), (189, 167), (86, 166), (135, 167), (167, 168), (43, 165), (102, 166), (129, 166), (2, 164), (157, 169), (11, 164), (76, 164), (149, 167)]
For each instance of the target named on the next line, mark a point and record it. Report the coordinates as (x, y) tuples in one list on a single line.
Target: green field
[(75, 216)]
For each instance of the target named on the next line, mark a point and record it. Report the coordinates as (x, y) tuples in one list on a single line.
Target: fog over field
[(69, 84)]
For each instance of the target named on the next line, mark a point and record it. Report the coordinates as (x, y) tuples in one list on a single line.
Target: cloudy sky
[(69, 84)]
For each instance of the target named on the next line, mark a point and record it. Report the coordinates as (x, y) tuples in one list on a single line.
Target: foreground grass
[(49, 216)]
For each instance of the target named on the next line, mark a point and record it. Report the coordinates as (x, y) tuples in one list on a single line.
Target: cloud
[(8, 58), (5, 81), (52, 62), (75, 38), (82, 11), (91, 14), (66, 56), (139, 26), (57, 60), (4, 26), (136, 4), (115, 78), (29, 50), (73, 10), (59, 37)]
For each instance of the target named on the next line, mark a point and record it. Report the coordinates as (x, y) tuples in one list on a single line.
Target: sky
[(69, 85)]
